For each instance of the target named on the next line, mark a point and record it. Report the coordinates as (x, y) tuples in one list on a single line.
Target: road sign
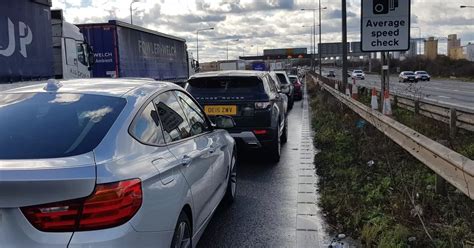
[(385, 25)]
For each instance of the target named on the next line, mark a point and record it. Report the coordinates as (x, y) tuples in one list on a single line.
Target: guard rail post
[(417, 107), (395, 101), (452, 122)]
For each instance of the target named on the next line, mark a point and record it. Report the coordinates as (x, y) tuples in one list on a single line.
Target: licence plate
[(220, 109)]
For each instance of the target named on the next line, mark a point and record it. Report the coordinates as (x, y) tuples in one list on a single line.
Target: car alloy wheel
[(182, 233), (274, 148), (233, 177)]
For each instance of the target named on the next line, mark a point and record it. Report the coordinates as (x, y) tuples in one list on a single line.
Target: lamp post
[(197, 41), (256, 47), (314, 33), (227, 47), (319, 44), (419, 37), (310, 39), (131, 11)]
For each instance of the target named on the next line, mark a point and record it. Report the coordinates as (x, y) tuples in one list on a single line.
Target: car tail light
[(260, 132), (110, 205), (262, 105)]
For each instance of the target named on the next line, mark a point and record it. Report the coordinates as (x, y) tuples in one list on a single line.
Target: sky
[(262, 24)]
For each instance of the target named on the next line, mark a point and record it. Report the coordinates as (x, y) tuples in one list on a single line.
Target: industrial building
[(453, 46), (470, 52), (431, 48)]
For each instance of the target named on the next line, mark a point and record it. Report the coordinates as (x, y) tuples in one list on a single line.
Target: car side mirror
[(224, 122)]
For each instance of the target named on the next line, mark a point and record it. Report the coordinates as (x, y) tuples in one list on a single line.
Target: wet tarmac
[(276, 204)]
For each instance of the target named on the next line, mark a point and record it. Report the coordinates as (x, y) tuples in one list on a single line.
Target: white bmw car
[(110, 163)]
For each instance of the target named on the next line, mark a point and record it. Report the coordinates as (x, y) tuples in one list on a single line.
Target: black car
[(331, 74), (253, 101)]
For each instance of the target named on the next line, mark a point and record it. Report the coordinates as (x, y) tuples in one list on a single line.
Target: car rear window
[(282, 78), (225, 85), (49, 125), (293, 79)]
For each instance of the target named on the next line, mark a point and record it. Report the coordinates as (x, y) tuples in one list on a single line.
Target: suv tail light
[(110, 205)]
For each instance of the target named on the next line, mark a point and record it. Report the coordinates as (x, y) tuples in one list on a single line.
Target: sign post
[(385, 27)]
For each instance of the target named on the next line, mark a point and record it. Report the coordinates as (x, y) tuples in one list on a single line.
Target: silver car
[(110, 163)]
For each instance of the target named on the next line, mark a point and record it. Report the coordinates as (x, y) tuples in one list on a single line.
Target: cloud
[(262, 23)]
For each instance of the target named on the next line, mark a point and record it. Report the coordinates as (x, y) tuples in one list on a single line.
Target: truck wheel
[(274, 149)]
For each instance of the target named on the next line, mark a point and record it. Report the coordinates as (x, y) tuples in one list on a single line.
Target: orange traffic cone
[(387, 107), (373, 101)]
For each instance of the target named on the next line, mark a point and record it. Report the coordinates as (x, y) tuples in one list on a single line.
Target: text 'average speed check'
[(385, 25)]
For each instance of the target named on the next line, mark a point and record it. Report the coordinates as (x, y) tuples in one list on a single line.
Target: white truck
[(72, 56)]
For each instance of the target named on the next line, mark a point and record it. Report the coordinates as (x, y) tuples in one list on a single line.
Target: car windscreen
[(408, 73), (51, 125), (357, 71), (228, 84), (282, 78), (421, 72)]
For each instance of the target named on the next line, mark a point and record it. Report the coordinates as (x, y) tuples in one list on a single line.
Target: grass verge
[(375, 191)]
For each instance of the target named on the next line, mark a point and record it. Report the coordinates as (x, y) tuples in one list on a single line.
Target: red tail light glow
[(260, 132), (110, 205)]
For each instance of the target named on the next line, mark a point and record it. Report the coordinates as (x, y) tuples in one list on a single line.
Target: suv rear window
[(225, 85), (45, 125)]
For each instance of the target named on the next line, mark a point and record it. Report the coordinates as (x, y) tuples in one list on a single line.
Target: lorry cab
[(73, 57)]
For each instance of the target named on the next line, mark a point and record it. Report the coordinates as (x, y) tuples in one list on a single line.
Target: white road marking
[(446, 97)]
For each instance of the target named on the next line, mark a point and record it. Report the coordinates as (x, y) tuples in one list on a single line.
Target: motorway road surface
[(444, 91), (276, 204)]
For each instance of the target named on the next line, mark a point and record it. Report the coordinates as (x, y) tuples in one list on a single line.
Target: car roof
[(96, 86), (407, 71), (229, 73)]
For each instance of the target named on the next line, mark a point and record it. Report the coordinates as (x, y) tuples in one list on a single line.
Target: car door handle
[(186, 160)]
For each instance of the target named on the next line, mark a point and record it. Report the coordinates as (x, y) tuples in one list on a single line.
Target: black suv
[(253, 101)]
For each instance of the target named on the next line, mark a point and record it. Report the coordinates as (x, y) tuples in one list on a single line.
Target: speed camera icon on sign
[(384, 6)]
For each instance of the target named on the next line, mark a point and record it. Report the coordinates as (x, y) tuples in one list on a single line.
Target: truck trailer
[(125, 50), (36, 43)]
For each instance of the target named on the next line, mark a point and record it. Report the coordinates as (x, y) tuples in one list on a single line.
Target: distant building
[(457, 53), (431, 48), (470, 52), (453, 43), (412, 52)]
